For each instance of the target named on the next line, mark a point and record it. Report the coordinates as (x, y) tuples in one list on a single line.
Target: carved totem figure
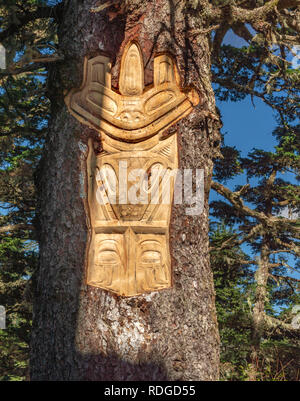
[(129, 243)]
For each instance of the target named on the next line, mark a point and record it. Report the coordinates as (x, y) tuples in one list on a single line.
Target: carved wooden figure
[(129, 243)]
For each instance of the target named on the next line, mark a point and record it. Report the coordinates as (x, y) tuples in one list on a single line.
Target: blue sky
[(247, 126)]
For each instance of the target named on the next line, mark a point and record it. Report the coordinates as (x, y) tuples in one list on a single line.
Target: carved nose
[(131, 116), (132, 72)]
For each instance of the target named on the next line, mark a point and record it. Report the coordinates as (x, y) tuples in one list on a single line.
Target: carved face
[(108, 262), (151, 265), (130, 263), (129, 241)]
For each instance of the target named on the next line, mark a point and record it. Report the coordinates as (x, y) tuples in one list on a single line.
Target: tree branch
[(24, 18), (232, 241), (273, 323), (37, 64), (235, 14), (282, 251), (16, 227), (291, 247), (103, 6), (235, 199)]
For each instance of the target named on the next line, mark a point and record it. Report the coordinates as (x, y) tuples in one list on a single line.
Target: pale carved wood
[(128, 251)]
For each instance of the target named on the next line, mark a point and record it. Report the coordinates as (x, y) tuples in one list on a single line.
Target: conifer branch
[(16, 227), (24, 18)]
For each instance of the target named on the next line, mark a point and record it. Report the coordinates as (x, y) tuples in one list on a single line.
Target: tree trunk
[(261, 294), (85, 333), (258, 315)]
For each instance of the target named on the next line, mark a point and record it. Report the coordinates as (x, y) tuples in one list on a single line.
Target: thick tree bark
[(85, 333), (261, 294), (258, 314)]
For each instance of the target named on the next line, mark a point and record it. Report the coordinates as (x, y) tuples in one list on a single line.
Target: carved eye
[(156, 171), (106, 177), (107, 257), (151, 257), (100, 100), (159, 100)]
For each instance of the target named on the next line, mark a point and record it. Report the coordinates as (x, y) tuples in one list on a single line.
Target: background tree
[(233, 284), (258, 213), (21, 136), (24, 111), (263, 70)]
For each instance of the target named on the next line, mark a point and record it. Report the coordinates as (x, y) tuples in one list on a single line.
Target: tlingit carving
[(128, 251)]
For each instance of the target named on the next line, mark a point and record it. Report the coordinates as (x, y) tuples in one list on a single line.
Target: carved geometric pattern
[(128, 252)]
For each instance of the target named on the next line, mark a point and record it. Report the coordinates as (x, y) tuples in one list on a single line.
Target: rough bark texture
[(261, 295), (85, 333)]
